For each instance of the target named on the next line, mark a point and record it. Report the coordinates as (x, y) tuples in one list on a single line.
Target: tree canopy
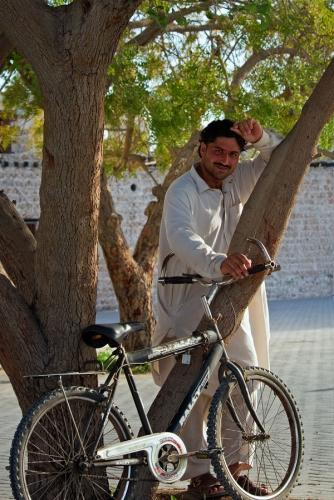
[(179, 64)]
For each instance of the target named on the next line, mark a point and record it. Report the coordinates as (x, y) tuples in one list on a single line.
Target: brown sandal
[(204, 487)]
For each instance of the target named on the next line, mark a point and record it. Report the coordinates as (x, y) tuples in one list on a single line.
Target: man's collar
[(200, 183)]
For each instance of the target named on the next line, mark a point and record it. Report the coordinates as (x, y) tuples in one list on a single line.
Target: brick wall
[(306, 255), (20, 179), (307, 251)]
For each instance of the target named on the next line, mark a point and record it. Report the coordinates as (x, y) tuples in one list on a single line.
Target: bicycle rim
[(273, 458), (51, 456)]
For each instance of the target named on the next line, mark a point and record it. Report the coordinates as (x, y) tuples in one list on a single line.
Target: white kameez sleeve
[(248, 172), (183, 238)]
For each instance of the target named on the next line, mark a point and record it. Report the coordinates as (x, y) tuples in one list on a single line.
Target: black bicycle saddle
[(113, 334)]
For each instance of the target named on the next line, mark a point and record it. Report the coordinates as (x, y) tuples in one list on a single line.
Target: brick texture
[(306, 254)]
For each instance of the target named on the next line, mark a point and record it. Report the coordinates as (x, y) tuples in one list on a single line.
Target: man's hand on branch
[(249, 129), (236, 265)]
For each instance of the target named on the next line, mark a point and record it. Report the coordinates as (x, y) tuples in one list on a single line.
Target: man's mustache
[(221, 165)]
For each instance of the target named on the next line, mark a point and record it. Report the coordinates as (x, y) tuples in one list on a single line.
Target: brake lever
[(261, 247), (272, 265)]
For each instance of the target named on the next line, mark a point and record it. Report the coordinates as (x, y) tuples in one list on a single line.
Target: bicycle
[(75, 443)]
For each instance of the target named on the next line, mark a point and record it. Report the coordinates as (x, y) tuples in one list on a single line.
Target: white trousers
[(244, 348)]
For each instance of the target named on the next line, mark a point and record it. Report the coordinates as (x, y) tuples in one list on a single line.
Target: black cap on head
[(221, 128)]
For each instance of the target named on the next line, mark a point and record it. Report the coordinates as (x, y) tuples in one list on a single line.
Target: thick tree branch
[(211, 26), (60, 34), (154, 29), (20, 339), (147, 243), (112, 239), (17, 249), (173, 16), (148, 35), (131, 284), (259, 56), (102, 23), (24, 20)]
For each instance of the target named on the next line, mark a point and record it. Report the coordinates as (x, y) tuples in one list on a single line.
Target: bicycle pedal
[(205, 454)]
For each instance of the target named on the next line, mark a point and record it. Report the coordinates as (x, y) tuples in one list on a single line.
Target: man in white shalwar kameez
[(201, 211)]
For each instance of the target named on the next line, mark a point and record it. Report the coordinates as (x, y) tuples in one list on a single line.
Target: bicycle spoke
[(274, 457), (98, 486), (56, 451)]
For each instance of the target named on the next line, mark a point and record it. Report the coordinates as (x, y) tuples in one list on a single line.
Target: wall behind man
[(306, 254), (307, 251)]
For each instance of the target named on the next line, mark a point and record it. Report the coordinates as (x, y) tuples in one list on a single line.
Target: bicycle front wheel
[(269, 463), (51, 455)]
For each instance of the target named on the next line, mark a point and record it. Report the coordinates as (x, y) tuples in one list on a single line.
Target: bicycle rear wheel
[(51, 455), (274, 458)]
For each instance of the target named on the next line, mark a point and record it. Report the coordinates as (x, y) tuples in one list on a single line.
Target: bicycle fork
[(237, 372)]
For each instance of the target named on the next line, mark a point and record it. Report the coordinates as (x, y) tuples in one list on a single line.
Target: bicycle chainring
[(164, 460)]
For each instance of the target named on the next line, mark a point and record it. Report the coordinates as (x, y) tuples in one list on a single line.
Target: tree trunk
[(66, 256), (69, 48), (265, 216)]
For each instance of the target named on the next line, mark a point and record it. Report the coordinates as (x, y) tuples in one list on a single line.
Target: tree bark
[(265, 217), (131, 284), (22, 344), (66, 257), (17, 249)]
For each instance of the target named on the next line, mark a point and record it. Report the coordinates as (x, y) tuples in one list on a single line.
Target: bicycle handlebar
[(269, 264), (196, 278), (259, 268), (178, 280)]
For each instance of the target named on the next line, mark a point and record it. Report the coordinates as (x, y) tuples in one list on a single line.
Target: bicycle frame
[(109, 455), (216, 355)]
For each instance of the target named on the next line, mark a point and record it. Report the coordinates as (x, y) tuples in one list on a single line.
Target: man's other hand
[(236, 265), (249, 129)]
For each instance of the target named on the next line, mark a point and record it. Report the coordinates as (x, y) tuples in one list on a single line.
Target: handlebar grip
[(177, 280), (257, 269)]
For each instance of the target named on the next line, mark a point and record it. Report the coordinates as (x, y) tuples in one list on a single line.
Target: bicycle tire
[(46, 454), (276, 460)]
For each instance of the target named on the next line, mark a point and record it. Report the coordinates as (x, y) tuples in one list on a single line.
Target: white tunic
[(198, 223), (197, 226)]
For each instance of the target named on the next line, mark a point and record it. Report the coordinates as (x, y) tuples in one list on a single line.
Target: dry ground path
[(302, 352)]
